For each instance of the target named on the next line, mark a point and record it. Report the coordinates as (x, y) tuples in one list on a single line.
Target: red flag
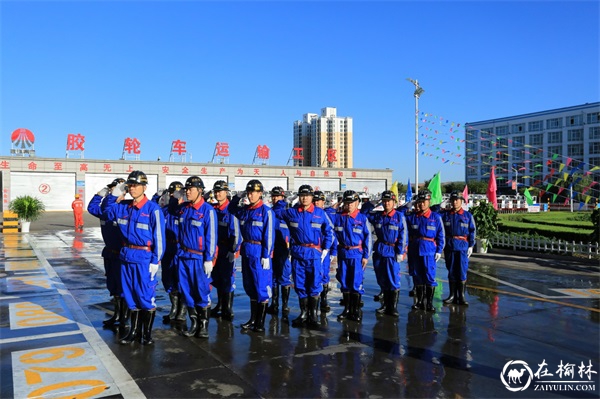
[(491, 190), (466, 194)]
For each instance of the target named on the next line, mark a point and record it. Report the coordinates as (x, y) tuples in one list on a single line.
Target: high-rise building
[(326, 140), (527, 149)]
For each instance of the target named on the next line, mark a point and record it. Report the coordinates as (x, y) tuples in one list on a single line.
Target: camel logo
[(516, 375)]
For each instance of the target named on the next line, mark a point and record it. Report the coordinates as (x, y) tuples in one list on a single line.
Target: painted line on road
[(515, 286), (39, 336)]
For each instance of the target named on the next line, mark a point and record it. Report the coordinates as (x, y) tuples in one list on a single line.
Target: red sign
[(132, 145), (178, 146), (22, 138), (75, 142), (44, 188), (298, 153), (331, 155), (222, 150), (262, 152)]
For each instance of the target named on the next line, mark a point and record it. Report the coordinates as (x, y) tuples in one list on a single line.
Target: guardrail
[(542, 244)]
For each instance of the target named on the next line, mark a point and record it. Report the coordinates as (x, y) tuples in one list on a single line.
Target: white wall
[(55, 190)]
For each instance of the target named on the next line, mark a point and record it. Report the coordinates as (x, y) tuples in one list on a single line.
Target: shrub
[(27, 208)]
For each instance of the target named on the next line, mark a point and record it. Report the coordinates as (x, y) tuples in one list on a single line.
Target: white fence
[(542, 244)]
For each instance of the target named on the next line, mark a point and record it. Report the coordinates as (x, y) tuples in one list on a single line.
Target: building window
[(471, 146), (485, 145), (518, 155), (594, 161), (536, 139), (593, 117), (594, 132), (486, 133), (536, 126), (518, 141), (554, 137), (575, 120), (518, 128), (553, 123), (501, 130), (595, 148), (575, 150), (575, 135)]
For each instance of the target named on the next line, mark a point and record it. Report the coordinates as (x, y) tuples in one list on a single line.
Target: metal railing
[(543, 244)]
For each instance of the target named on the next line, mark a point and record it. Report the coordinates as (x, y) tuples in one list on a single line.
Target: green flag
[(435, 186), (528, 197)]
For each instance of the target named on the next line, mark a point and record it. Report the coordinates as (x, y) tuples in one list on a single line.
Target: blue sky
[(243, 72)]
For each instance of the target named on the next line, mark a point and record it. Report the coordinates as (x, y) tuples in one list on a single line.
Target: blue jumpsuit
[(460, 235), (354, 244), (257, 223), (112, 243), (197, 244), (170, 274), (282, 267), (425, 239), (230, 240), (392, 239), (142, 228), (333, 251), (311, 231)]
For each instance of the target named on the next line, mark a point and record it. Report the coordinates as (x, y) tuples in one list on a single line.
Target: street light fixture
[(418, 91)]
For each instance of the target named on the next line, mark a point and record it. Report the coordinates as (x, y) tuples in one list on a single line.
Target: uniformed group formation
[(281, 247)]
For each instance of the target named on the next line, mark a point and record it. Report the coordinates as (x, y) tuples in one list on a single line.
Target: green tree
[(477, 187)]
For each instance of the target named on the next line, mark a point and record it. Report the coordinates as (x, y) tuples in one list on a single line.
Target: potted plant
[(486, 222), (28, 209)]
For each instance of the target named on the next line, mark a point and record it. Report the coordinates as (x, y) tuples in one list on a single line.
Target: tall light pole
[(418, 91)]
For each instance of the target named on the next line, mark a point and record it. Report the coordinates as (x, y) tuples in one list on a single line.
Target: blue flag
[(408, 192)]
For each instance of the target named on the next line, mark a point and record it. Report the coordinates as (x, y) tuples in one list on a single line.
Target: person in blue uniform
[(142, 229), (460, 230), (319, 201), (282, 267), (110, 253), (353, 233), (388, 251), (172, 196), (229, 242), (311, 234), (257, 223), (425, 245), (196, 254)]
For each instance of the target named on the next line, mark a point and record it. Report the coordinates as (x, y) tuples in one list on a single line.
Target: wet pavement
[(524, 312)]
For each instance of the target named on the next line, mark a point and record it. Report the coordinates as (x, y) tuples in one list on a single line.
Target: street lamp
[(418, 91)]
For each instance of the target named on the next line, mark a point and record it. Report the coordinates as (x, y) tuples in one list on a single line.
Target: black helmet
[(254, 185), (456, 195), (220, 185), (351, 196), (319, 196), (116, 182), (277, 190), (305, 189), (424, 195), (194, 181), (137, 177), (175, 186), (388, 195)]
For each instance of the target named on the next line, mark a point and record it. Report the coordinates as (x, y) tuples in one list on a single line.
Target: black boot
[(194, 322), (227, 306), (274, 306), (324, 305), (391, 299), (174, 298), (253, 309), (452, 295), (148, 321), (313, 302), (303, 318), (261, 313), (377, 298), (460, 291), (123, 315), (285, 297), (429, 292), (181, 309), (346, 312), (383, 296), (202, 322), (419, 297), (115, 318), (355, 308), (216, 311), (134, 331)]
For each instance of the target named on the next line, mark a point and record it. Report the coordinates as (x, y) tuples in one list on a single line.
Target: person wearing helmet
[(110, 253), (426, 240), (196, 254), (142, 227), (388, 251), (77, 206), (460, 230), (319, 201), (353, 232), (257, 223), (172, 197), (229, 242), (282, 267), (311, 234)]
